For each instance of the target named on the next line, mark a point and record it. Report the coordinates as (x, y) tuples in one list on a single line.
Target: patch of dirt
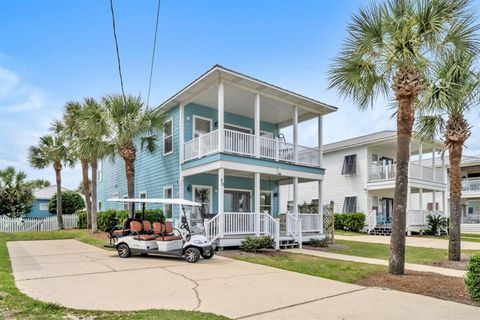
[(101, 235), (261, 253), (458, 265), (326, 249), (427, 284)]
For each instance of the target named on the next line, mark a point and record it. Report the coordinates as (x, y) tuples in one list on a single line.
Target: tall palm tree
[(16, 194), (452, 92), (389, 48), (52, 150), (128, 120), (94, 144), (73, 130)]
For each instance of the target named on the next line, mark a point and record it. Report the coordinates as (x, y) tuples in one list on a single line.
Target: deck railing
[(471, 185), (245, 144), (389, 172), (311, 222), (471, 218), (371, 220)]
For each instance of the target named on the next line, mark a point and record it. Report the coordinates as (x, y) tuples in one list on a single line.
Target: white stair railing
[(271, 226), (294, 228), (212, 228), (371, 221)]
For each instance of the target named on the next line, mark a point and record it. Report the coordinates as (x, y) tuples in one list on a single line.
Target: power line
[(118, 53), (153, 53)]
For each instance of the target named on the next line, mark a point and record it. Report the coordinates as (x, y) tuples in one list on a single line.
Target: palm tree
[(71, 118), (39, 183), (52, 150), (452, 92), (128, 120), (93, 144), (16, 194), (389, 48)]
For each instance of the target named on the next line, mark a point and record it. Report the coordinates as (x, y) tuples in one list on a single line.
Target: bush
[(105, 218), (252, 244), (436, 223), (322, 243), (472, 280), (82, 219), (350, 221), (71, 202)]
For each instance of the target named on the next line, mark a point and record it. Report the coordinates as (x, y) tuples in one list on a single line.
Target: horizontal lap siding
[(153, 171), (231, 183), (36, 212)]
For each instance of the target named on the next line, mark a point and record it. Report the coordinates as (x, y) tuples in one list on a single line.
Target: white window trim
[(195, 117), (42, 204), (165, 136), (164, 211), (99, 170), (125, 203), (240, 127), (210, 200), (271, 200)]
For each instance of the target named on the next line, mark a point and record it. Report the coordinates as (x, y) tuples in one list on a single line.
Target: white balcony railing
[(471, 185), (245, 144), (387, 172)]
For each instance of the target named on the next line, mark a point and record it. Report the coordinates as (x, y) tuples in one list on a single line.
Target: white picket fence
[(36, 224)]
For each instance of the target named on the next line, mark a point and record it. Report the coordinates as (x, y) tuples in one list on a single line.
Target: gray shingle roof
[(365, 139), (47, 192)]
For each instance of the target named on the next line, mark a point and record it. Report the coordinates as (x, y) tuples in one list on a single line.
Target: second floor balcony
[(471, 185), (250, 145), (416, 171)]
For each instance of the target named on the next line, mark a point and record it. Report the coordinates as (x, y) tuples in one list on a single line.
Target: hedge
[(71, 202), (472, 280), (105, 217), (350, 221)]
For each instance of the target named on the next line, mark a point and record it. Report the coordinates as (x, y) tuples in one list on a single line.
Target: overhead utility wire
[(153, 53), (118, 53)]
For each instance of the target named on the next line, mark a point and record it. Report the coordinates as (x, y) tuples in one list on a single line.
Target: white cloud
[(17, 95)]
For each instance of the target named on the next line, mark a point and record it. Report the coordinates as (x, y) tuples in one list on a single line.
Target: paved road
[(81, 276), (423, 242)]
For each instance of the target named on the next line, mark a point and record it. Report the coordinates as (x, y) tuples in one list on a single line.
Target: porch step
[(381, 231), (289, 244)]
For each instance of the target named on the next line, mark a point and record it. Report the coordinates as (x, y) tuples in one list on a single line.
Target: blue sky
[(55, 51)]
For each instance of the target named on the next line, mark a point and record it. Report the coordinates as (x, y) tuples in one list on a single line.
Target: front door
[(387, 210), (236, 201)]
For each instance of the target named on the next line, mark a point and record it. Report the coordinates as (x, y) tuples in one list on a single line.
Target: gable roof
[(360, 140), (46, 193), (218, 72)]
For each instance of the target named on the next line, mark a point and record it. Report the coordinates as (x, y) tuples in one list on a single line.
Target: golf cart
[(139, 236)]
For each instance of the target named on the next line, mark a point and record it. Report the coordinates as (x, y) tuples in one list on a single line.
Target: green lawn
[(350, 272), (16, 305), (349, 233), (470, 237), (381, 251)]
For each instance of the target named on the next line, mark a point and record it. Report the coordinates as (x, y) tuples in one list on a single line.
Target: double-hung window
[(350, 164), (350, 205), (168, 137)]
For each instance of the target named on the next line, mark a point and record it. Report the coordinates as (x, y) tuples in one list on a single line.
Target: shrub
[(322, 243), (71, 202), (350, 221), (252, 244), (82, 219), (436, 223), (472, 280), (105, 218)]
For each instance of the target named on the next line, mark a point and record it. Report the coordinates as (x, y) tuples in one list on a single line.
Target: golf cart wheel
[(192, 255), (123, 250), (209, 254)]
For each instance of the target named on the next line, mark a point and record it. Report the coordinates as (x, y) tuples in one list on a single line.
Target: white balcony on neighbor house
[(471, 185), (421, 172), (250, 145)]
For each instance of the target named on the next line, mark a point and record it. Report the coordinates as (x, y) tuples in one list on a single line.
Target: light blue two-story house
[(222, 147)]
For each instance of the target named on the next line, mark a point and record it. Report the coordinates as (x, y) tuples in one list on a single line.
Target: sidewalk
[(408, 266), (410, 242)]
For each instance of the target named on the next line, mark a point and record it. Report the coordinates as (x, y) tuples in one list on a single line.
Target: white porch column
[(220, 117), (320, 140), (182, 132), (444, 203), (434, 200), (444, 168), (257, 125), (320, 204), (257, 203), (420, 155), (295, 133), (433, 166), (221, 179), (295, 197), (420, 198)]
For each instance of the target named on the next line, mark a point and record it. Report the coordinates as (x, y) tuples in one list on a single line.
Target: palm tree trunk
[(130, 172), (405, 118), (86, 192), (93, 164), (58, 177), (455, 156)]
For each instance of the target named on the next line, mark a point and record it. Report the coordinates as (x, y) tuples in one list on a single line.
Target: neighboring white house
[(360, 177)]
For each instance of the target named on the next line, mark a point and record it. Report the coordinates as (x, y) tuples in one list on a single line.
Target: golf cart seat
[(136, 228), (165, 232)]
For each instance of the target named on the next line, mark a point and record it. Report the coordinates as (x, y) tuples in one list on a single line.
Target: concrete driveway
[(81, 276)]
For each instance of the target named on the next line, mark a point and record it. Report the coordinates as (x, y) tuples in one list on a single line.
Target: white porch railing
[(471, 185), (387, 172), (244, 144), (471, 218), (371, 221), (294, 228), (417, 217), (239, 223), (36, 224), (311, 222)]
